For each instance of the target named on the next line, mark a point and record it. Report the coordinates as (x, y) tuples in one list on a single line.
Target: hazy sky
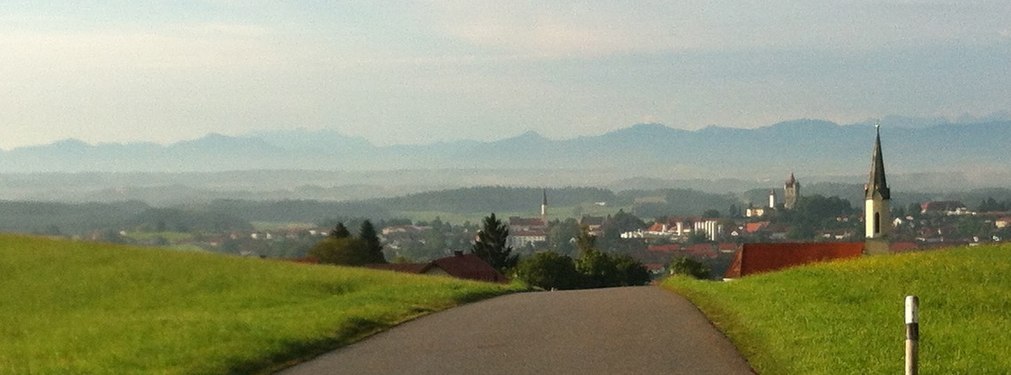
[(416, 72)]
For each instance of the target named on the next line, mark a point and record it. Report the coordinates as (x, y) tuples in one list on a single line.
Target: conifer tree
[(340, 231), (367, 233), (491, 244)]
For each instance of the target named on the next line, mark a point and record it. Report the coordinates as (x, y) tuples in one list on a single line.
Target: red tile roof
[(755, 227), (461, 266), (656, 227), (468, 266), (702, 250), (767, 257), (664, 248)]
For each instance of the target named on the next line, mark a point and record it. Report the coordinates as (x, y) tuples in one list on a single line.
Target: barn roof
[(767, 257), (468, 266)]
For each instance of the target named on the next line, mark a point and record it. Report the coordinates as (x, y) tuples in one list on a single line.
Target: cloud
[(179, 46), (558, 29), (596, 29)]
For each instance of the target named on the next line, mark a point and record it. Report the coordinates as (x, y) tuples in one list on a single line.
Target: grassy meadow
[(76, 307), (847, 317)]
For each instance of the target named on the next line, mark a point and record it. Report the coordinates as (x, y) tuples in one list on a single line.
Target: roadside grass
[(847, 317), (79, 307)]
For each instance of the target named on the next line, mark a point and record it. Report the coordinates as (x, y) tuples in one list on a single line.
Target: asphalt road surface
[(639, 330)]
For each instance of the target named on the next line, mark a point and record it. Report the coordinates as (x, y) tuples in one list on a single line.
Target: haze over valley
[(923, 156)]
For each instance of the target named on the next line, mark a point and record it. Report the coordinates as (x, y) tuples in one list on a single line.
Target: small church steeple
[(544, 207), (877, 194)]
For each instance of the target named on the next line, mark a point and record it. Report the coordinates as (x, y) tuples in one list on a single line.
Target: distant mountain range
[(807, 147)]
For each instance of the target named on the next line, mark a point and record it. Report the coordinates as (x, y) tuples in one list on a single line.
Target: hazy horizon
[(423, 72)]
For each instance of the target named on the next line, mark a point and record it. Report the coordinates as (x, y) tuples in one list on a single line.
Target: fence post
[(912, 334)]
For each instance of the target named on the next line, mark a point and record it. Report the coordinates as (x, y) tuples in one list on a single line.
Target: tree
[(367, 233), (561, 236), (602, 270), (598, 269), (586, 242), (630, 271), (689, 267), (491, 244), (620, 223), (549, 270), (801, 231), (340, 231), (346, 251), (341, 248)]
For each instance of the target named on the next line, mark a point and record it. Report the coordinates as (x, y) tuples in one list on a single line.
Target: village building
[(791, 192), (593, 224), (944, 208), (524, 232)]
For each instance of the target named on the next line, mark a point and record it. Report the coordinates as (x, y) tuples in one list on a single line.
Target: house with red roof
[(524, 231)]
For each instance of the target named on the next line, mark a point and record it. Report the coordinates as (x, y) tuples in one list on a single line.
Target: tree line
[(547, 270)]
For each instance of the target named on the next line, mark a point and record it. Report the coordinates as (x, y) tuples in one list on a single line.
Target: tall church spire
[(877, 195), (876, 183)]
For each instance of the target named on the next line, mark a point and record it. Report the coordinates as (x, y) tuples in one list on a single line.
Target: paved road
[(640, 330)]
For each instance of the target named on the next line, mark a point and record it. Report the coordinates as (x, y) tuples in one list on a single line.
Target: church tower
[(877, 221), (791, 192), (544, 207)]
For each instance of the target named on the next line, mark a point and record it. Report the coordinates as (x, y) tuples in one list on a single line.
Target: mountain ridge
[(807, 146)]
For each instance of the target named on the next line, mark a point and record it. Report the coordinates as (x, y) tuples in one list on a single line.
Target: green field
[(76, 307), (847, 317)]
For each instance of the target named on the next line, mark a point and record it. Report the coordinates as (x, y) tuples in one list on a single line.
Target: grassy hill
[(847, 317), (73, 307)]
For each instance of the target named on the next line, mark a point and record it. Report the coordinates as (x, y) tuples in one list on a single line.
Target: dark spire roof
[(545, 201), (791, 181), (876, 180)]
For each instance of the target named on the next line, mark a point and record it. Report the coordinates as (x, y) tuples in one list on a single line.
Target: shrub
[(689, 267), (549, 270)]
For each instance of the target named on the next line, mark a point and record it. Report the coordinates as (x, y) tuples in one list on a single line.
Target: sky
[(401, 72)]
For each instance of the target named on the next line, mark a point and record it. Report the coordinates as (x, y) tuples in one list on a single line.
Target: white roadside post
[(912, 334)]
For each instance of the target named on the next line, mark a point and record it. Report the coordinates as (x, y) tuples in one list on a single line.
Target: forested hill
[(234, 214), (495, 199)]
